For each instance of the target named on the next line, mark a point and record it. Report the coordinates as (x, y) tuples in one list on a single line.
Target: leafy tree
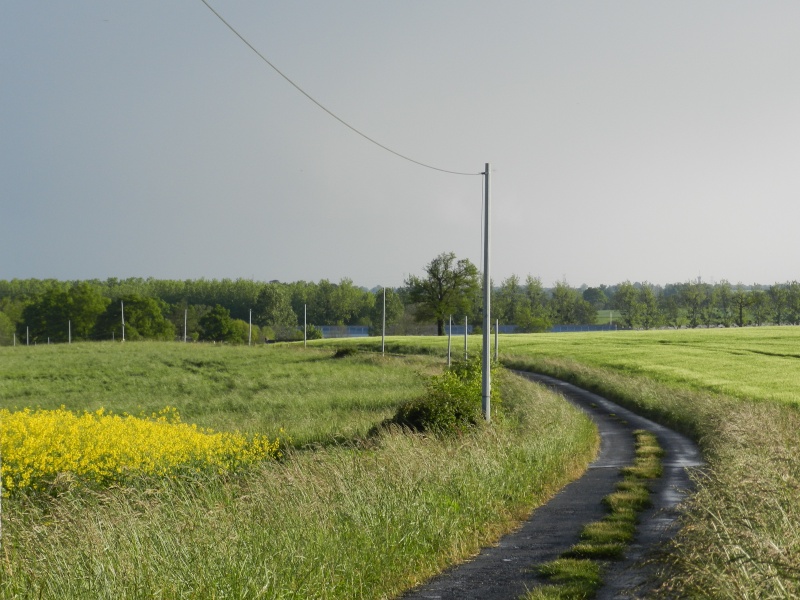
[(51, 314), (218, 326), (567, 306), (6, 330), (273, 307), (651, 315), (183, 315), (394, 310), (778, 297), (241, 332), (509, 301), (86, 304), (695, 297), (740, 300), (627, 300), (793, 303), (448, 288), (669, 305), (144, 319), (722, 300), (759, 305), (596, 296)]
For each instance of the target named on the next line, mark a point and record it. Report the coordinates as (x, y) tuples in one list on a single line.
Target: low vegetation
[(451, 402), (343, 515)]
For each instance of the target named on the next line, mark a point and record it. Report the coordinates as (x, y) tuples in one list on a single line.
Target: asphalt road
[(504, 572)]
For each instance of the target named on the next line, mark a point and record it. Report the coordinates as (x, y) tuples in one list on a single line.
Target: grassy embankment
[(735, 391), (363, 518)]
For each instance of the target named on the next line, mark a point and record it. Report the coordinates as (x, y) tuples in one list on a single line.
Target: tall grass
[(364, 520)]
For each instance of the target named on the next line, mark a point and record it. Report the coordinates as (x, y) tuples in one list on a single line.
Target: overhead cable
[(307, 95)]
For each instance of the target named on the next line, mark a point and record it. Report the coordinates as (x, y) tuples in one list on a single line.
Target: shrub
[(452, 401)]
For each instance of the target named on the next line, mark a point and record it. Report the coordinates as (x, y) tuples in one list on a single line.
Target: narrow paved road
[(504, 572)]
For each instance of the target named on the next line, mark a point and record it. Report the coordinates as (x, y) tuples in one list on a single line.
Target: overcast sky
[(628, 140)]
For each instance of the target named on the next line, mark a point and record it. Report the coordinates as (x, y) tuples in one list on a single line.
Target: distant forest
[(236, 311)]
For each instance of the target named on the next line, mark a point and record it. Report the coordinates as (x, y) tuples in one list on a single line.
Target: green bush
[(452, 401)]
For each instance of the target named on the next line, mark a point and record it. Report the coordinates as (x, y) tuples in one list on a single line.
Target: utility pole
[(383, 331), (487, 299), (496, 334)]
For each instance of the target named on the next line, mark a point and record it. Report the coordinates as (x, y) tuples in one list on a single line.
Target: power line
[(307, 95)]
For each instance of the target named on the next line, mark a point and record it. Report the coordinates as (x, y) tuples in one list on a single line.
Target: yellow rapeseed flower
[(37, 446)]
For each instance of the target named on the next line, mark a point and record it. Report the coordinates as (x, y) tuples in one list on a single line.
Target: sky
[(627, 140)]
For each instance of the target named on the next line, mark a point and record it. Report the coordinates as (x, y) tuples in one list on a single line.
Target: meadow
[(341, 513)]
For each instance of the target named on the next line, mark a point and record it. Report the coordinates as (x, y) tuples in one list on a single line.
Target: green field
[(344, 515), (252, 389), (341, 505)]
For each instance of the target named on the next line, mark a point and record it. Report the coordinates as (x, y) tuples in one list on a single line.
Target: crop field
[(274, 487), (755, 363)]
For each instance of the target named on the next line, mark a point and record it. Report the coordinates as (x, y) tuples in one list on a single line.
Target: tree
[(596, 296), (695, 297), (627, 300), (57, 311), (759, 305), (6, 330), (509, 301), (144, 319), (740, 300), (793, 303), (567, 307), (218, 326), (651, 315), (779, 298), (722, 300), (394, 310), (274, 307), (447, 289)]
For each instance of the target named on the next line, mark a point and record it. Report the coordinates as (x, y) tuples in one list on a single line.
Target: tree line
[(240, 310)]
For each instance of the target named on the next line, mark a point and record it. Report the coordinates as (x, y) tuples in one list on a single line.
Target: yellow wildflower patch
[(37, 446)]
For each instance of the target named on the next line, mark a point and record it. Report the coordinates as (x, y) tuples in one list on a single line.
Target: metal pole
[(496, 333), (487, 300), (122, 304), (250, 331), (449, 335), (69, 331), (27, 336), (305, 324), (185, 322), (383, 331)]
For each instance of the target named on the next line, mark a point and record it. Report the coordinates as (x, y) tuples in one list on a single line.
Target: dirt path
[(503, 572)]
